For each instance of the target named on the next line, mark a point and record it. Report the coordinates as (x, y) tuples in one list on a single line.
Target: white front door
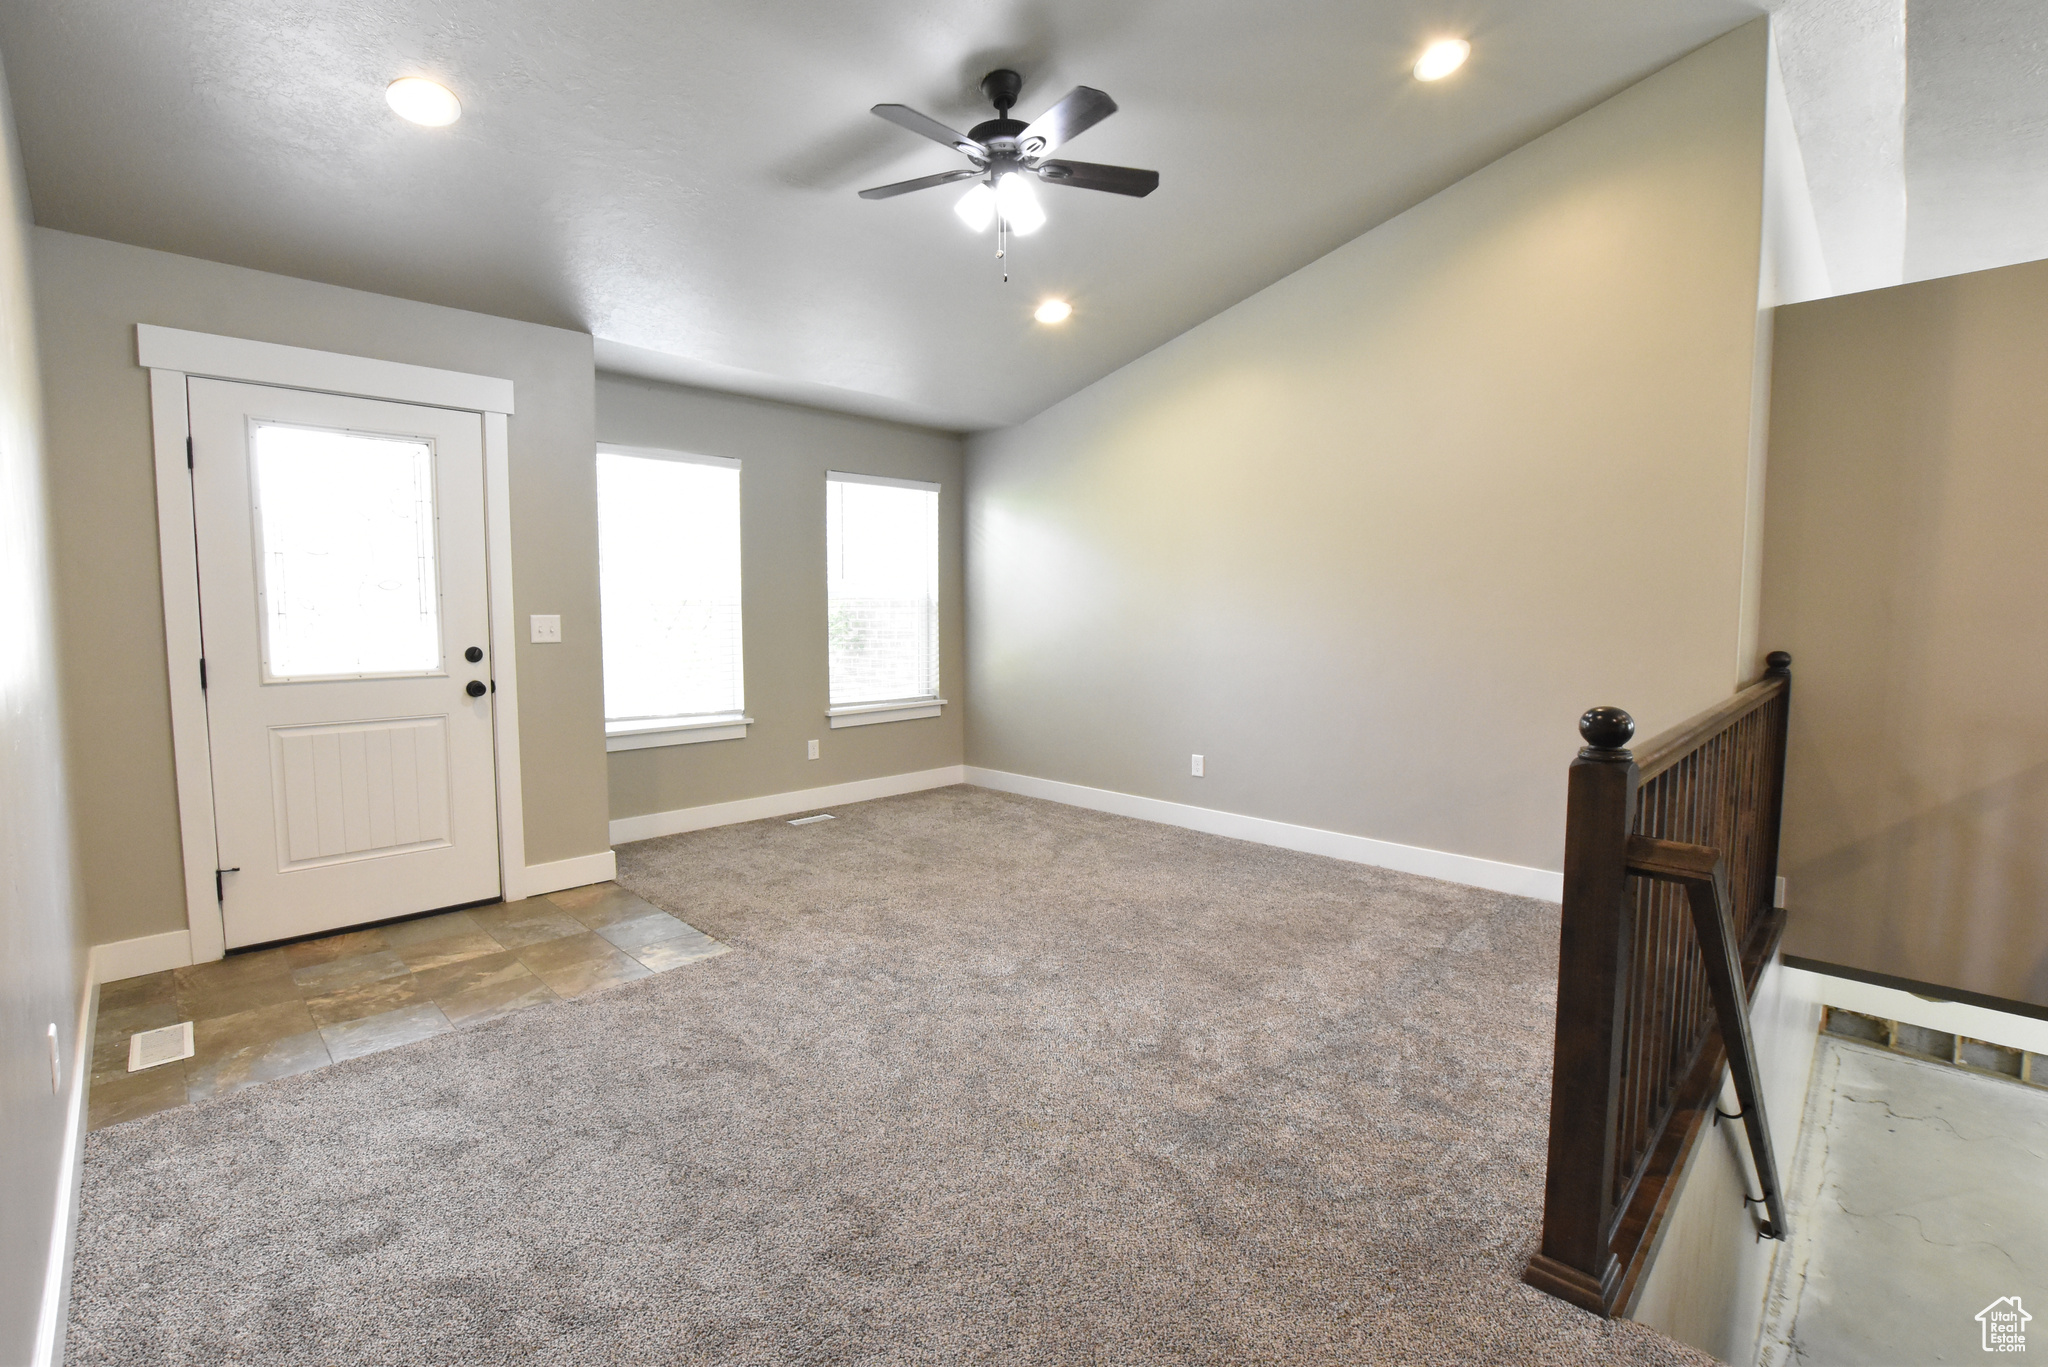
[(344, 608)]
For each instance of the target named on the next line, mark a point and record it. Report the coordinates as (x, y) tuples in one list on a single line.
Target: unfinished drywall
[(104, 497), (1903, 564), (42, 954), (784, 453), (1372, 540)]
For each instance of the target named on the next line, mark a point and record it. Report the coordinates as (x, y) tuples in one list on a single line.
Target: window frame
[(644, 733), (893, 709)]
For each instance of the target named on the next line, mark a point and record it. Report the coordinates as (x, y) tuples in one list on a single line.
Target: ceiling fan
[(1008, 154)]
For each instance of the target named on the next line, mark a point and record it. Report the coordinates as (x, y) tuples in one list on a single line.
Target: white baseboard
[(630, 828), (601, 867), (55, 1313), (1951, 1018), (1357, 849), (145, 954)]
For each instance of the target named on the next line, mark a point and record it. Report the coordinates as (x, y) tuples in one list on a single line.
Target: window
[(345, 555), (882, 592), (668, 539)]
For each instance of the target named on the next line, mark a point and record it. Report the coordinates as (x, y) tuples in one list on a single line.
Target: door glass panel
[(345, 553)]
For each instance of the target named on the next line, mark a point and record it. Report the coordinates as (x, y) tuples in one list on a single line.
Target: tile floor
[(1919, 1198), (274, 1012)]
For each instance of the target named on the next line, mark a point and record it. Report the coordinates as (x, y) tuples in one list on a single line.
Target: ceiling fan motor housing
[(997, 131)]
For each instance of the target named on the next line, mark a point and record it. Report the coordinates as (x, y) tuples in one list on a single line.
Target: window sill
[(646, 735), (867, 714)]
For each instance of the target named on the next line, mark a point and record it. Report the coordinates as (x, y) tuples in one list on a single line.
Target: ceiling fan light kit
[(1017, 203), (977, 208), (1009, 154)]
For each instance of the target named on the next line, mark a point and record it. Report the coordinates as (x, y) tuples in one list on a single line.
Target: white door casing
[(345, 790), (171, 356)]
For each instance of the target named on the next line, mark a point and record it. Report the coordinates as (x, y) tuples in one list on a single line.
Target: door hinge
[(202, 673), (219, 890), (188, 453)]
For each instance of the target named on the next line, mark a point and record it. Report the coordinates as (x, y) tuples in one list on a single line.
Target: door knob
[(476, 688), (473, 654)]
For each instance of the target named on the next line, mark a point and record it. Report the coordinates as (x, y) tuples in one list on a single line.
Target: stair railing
[(1668, 920)]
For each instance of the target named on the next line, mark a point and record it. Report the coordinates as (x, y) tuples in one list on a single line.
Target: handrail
[(1668, 919), (1701, 872), (1666, 748)]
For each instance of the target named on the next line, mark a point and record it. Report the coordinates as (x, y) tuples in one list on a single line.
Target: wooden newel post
[(1595, 942), (1778, 665)]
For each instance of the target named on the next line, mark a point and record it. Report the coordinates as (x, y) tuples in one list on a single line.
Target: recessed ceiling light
[(423, 101), (1054, 311), (1441, 58)]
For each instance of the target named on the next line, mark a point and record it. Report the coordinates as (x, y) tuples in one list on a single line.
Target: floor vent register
[(150, 1048)]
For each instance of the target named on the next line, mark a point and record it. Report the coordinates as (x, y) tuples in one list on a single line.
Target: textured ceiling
[(1844, 63), (1925, 132), (678, 179), (1976, 135)]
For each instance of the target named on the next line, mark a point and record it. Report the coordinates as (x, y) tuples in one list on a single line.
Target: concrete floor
[(1920, 1197)]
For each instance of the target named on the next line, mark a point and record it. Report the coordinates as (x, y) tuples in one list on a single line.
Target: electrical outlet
[(1196, 767), (1778, 894), (814, 749), (56, 1063), (547, 629)]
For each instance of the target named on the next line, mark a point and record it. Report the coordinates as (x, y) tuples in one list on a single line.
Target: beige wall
[(784, 453), (104, 497), (1906, 569), (1373, 539), (42, 960)]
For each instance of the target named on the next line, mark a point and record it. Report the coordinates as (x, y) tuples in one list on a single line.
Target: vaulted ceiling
[(678, 178)]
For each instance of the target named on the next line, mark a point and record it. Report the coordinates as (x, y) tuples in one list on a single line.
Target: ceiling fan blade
[(904, 187), (1082, 108), (924, 125), (1086, 175)]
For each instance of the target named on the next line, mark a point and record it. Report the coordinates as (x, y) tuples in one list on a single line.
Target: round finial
[(1607, 728), (1778, 661)]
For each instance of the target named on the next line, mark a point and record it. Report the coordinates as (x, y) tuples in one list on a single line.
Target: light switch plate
[(547, 629)]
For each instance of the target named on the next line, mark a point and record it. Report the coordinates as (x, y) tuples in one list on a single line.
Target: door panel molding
[(237, 359), (344, 791)]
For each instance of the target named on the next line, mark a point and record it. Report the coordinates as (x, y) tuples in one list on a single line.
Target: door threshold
[(363, 925)]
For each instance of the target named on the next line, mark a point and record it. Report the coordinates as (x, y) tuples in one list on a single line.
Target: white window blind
[(882, 588), (669, 581)]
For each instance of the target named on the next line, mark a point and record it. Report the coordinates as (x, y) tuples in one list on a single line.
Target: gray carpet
[(985, 1079)]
